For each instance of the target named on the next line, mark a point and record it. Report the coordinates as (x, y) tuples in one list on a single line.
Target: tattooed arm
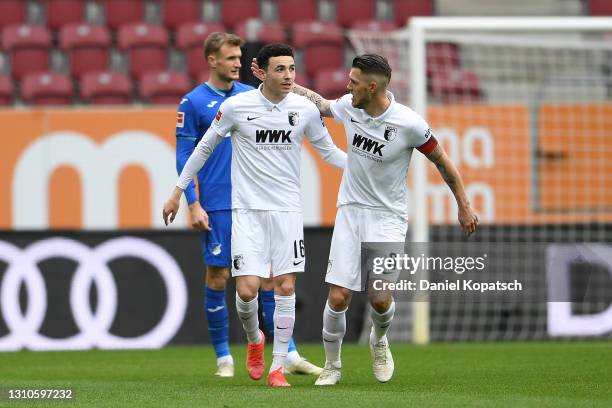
[(467, 217)]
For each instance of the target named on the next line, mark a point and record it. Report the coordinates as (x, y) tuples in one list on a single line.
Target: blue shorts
[(216, 243)]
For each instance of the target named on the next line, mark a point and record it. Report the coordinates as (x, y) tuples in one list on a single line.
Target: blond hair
[(216, 40)]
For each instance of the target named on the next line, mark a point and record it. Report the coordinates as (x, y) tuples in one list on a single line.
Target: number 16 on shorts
[(298, 252)]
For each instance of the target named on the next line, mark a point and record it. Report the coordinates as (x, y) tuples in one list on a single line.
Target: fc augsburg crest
[(294, 118), (390, 133)]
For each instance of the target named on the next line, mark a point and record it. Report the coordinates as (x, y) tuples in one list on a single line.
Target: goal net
[(524, 108)]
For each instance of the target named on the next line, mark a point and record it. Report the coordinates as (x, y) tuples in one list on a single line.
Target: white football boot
[(382, 360), (302, 366), (329, 376), (225, 370)]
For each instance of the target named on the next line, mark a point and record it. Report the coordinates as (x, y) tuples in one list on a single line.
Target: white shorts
[(267, 240), (353, 226)]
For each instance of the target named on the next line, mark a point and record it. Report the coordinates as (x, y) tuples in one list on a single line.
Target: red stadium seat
[(262, 31), (87, 45), (404, 9), (6, 90), (442, 56), (164, 88), (106, 88), (321, 44), (348, 11), (455, 85), (600, 8), (120, 12), (29, 48), (46, 88), (62, 12), (146, 45), (374, 25), (292, 11), (331, 83), (190, 38), (302, 79), (177, 12), (234, 12), (13, 12)]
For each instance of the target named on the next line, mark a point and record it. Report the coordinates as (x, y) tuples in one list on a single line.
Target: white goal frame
[(417, 30)]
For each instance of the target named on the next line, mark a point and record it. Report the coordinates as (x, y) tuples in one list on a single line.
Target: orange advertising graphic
[(113, 168)]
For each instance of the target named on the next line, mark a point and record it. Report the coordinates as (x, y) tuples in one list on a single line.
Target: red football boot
[(255, 358), (277, 379)]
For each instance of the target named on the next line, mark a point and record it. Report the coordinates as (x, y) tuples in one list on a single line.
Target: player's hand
[(257, 73), (170, 210), (199, 218), (468, 220)]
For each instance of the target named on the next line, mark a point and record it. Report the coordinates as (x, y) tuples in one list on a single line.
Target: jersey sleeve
[(322, 142), (224, 119), (422, 137), (339, 106), (186, 136)]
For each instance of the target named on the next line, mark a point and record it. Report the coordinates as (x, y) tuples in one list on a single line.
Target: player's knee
[(216, 278), (381, 303), (285, 288), (337, 301), (246, 293)]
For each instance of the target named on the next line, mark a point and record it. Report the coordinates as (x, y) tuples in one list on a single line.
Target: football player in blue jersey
[(210, 210)]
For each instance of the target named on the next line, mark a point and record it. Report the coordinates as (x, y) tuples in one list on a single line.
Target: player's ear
[(211, 60)]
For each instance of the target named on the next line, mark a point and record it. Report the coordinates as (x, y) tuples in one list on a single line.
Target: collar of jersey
[(269, 105), (377, 121), (218, 91)]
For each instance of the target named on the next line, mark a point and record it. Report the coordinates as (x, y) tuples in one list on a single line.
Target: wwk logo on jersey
[(267, 139), (368, 148)]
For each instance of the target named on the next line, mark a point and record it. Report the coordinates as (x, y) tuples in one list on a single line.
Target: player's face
[(280, 74), (226, 63), (359, 86)]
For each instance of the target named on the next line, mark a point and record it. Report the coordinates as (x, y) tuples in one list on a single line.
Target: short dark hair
[(272, 50), (373, 64), (216, 40)]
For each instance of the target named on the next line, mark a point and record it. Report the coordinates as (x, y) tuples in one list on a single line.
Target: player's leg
[(217, 256), (382, 226), (284, 322), (294, 363), (248, 262), (343, 277)]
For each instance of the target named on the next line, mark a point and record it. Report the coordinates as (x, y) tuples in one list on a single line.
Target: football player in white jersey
[(372, 201), (267, 126)]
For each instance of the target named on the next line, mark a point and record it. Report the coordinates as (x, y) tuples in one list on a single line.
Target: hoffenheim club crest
[(294, 118), (390, 133)]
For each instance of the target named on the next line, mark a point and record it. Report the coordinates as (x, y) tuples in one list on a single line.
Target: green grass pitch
[(550, 374)]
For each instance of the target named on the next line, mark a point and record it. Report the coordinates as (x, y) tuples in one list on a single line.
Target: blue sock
[(267, 303), (218, 320)]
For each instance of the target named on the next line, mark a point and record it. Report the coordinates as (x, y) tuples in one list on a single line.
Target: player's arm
[(195, 162), (447, 169), (321, 103), (323, 143)]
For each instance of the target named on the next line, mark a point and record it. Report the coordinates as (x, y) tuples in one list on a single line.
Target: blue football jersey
[(195, 113)]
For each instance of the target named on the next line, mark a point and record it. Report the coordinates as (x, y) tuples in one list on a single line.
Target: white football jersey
[(266, 146), (379, 151)]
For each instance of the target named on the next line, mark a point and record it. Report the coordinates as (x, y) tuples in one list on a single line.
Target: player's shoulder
[(404, 114), (197, 94), (241, 87)]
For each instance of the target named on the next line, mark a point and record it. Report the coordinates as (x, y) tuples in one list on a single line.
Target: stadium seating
[(455, 85), (164, 88), (6, 90), (442, 56), (46, 88), (146, 45), (28, 47), (62, 12), (404, 9), (120, 12), (87, 46), (234, 12), (266, 32), (190, 38), (321, 44), (302, 79), (600, 7), (331, 83), (292, 11), (106, 88), (374, 25), (13, 12), (177, 12), (349, 11)]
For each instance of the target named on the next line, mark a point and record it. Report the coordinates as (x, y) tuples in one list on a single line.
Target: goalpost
[(524, 106)]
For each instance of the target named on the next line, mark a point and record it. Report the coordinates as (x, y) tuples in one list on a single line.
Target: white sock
[(334, 328), (284, 320), (225, 359), (381, 323), (247, 311)]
